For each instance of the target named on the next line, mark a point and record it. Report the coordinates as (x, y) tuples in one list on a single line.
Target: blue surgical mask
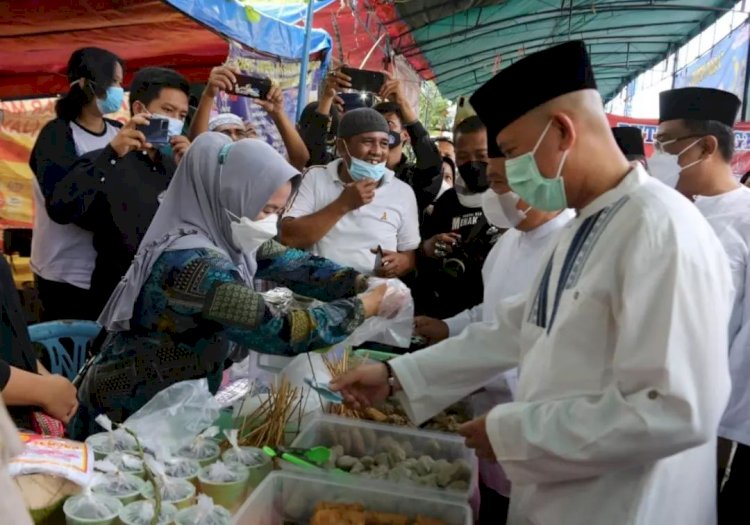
[(363, 170), (527, 181), (112, 101)]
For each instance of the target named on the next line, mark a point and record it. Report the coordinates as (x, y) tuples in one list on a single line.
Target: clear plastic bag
[(124, 462), (171, 419), (245, 456), (204, 513), (142, 512), (90, 506), (171, 489), (117, 484), (203, 447), (219, 472), (394, 323), (182, 468)]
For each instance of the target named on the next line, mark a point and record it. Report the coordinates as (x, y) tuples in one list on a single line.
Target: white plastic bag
[(142, 512), (203, 447), (174, 416), (90, 506), (394, 323)]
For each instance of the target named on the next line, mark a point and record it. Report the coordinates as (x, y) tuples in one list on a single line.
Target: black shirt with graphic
[(446, 287)]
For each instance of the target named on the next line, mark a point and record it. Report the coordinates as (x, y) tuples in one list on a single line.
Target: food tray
[(364, 438), (289, 497)]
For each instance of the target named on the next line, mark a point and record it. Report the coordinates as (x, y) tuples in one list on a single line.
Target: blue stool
[(81, 333)]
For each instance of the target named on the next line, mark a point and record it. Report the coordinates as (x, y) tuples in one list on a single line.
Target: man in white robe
[(507, 275), (620, 386), (695, 133)]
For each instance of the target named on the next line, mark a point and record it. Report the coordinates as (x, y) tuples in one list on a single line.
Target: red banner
[(740, 162)]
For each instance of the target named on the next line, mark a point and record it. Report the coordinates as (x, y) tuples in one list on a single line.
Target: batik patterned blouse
[(193, 305)]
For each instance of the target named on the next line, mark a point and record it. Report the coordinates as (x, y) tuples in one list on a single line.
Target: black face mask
[(394, 139), (474, 174)]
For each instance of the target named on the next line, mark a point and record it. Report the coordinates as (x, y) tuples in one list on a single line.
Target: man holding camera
[(115, 192), (346, 210), (458, 235)]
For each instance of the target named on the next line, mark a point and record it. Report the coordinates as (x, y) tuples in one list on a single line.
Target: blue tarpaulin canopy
[(460, 44)]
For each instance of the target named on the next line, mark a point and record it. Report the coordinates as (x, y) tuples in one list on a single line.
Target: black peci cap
[(696, 103), (629, 139), (520, 87)]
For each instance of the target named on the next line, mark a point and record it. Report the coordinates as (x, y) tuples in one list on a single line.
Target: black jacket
[(446, 287), (15, 346), (113, 198)]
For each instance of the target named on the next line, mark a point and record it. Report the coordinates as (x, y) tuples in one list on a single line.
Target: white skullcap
[(223, 119)]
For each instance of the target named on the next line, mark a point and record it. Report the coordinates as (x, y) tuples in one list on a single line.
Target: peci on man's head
[(557, 130), (232, 126), (445, 147), (162, 91), (363, 134), (630, 141), (696, 125)]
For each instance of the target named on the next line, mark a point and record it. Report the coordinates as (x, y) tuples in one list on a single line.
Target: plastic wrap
[(181, 468), (117, 484), (202, 448), (171, 419), (90, 506), (124, 462), (219, 472), (394, 323), (142, 512), (204, 513), (245, 456), (172, 490)]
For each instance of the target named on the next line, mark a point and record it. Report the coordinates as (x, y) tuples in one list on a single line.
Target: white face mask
[(249, 235), (666, 168), (501, 210), (445, 186)]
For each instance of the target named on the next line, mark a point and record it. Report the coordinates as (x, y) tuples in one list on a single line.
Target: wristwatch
[(391, 379)]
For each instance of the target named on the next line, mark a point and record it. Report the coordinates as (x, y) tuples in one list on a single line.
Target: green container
[(103, 444), (229, 495), (258, 467), (132, 514), (186, 469), (112, 504), (190, 516), (107, 489), (182, 496), (209, 452)]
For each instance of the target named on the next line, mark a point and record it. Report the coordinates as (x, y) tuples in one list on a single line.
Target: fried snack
[(341, 507), (374, 414), (383, 518), (337, 517)]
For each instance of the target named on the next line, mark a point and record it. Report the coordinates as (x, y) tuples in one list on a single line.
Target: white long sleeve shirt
[(621, 387), (729, 216)]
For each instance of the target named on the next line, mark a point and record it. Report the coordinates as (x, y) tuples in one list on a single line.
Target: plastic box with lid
[(289, 497), (364, 438)]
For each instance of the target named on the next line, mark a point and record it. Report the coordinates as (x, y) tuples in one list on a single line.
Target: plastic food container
[(142, 512), (254, 460), (181, 493), (363, 438), (228, 494), (291, 497), (190, 516), (104, 443), (205, 453), (77, 514), (125, 487)]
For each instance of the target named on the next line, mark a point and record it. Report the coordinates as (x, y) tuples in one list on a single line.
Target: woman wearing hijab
[(187, 303)]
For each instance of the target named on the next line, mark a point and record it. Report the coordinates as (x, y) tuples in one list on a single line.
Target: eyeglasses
[(659, 146)]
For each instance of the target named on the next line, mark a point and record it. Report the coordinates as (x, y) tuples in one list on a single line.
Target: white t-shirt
[(390, 220), (65, 252), (729, 216)]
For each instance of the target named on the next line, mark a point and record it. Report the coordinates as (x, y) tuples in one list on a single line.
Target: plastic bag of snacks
[(91, 508), (203, 448), (142, 512), (125, 462), (112, 440), (204, 513), (112, 482)]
